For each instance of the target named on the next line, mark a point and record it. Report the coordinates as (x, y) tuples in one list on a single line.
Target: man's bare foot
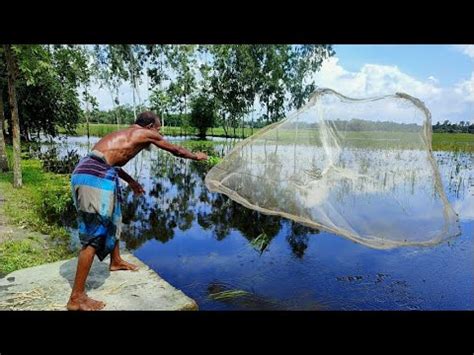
[(84, 303), (122, 265)]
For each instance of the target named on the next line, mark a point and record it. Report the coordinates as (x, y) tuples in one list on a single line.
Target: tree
[(3, 150), (182, 61), (47, 81), (12, 75), (203, 114), (272, 75), (160, 102), (303, 61), (229, 83), (91, 106)]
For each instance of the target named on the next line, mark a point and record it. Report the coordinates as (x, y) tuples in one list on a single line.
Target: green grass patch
[(441, 141), (38, 206), (453, 141), (101, 129), (19, 254), (43, 197)]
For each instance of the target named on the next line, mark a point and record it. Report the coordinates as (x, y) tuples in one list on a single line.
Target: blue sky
[(446, 63), (440, 75)]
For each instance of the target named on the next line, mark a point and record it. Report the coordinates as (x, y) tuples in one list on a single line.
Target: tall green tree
[(3, 150), (47, 87), (275, 77), (182, 62), (203, 114), (12, 71)]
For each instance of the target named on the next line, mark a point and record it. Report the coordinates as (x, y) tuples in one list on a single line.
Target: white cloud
[(467, 49), (466, 89), (372, 80), (433, 79)]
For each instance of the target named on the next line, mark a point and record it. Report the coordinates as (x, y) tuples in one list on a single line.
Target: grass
[(441, 141), (229, 294), (261, 242), (25, 208), (101, 129), (19, 254), (453, 141)]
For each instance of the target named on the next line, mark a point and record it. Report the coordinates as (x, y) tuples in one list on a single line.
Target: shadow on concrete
[(98, 274)]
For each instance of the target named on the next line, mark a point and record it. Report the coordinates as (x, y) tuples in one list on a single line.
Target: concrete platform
[(47, 287)]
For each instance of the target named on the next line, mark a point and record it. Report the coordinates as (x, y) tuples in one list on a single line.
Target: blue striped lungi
[(96, 194)]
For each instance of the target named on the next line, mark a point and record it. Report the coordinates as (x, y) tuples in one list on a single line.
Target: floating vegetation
[(261, 242), (229, 294)]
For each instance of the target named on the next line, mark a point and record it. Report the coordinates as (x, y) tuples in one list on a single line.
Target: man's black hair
[(146, 118)]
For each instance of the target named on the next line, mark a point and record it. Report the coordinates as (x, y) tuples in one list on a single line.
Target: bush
[(203, 114), (59, 165), (56, 205)]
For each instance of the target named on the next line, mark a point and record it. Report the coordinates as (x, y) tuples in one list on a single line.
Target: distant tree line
[(448, 127)]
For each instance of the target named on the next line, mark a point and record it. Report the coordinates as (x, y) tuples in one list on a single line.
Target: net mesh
[(360, 168)]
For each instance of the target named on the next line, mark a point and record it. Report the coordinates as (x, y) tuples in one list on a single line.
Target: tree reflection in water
[(177, 197)]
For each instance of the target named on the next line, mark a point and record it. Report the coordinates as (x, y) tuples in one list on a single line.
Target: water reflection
[(177, 198), (379, 197), (199, 241)]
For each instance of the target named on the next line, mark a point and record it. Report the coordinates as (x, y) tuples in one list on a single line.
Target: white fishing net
[(360, 168)]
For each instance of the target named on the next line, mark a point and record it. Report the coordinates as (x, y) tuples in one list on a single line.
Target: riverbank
[(37, 265), (48, 286), (32, 233)]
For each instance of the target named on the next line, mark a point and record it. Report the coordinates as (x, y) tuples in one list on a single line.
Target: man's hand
[(136, 188), (201, 156)]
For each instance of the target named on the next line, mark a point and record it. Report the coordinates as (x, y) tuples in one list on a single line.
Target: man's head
[(149, 120)]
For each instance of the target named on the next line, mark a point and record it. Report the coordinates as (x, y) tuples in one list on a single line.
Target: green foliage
[(448, 127), (214, 160), (54, 163), (19, 254), (47, 80), (261, 242), (26, 207), (203, 114), (56, 204)]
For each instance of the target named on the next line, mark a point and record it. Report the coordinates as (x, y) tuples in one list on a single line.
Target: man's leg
[(117, 263), (79, 301)]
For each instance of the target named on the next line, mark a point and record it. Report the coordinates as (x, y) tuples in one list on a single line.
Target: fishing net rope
[(360, 168)]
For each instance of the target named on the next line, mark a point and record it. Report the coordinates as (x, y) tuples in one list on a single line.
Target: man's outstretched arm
[(176, 150)]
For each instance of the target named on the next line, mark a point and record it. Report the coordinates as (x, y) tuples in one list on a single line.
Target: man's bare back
[(121, 146)]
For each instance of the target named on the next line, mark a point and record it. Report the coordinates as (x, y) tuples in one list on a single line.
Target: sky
[(442, 76)]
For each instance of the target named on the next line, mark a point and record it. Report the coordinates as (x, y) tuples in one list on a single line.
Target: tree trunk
[(88, 127), (3, 149), (11, 69), (10, 129), (224, 125), (253, 113)]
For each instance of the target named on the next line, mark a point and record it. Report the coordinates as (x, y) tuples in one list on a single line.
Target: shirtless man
[(95, 189)]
